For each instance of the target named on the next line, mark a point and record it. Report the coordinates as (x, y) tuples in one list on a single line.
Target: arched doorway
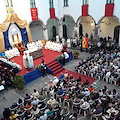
[(54, 33), (64, 31), (117, 33), (80, 30), (107, 27), (52, 28), (68, 26), (86, 25), (36, 29)]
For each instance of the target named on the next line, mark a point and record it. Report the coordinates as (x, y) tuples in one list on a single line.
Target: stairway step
[(57, 64), (51, 62), (58, 71), (56, 68)]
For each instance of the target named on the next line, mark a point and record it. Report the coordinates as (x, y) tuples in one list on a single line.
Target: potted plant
[(38, 67), (75, 54), (18, 81), (59, 59)]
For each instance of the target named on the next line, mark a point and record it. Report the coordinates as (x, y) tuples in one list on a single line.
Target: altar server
[(68, 42)]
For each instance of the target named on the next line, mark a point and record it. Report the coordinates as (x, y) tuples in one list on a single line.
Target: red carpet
[(76, 75), (48, 56)]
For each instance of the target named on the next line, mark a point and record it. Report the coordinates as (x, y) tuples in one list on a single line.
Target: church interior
[(59, 60)]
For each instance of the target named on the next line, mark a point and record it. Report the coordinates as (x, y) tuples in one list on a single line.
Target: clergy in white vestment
[(63, 41), (57, 38), (25, 60), (68, 42), (30, 61)]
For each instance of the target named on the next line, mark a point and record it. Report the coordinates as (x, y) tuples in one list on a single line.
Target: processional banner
[(34, 14)]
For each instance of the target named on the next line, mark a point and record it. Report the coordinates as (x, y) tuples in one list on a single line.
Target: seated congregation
[(60, 95), (103, 66)]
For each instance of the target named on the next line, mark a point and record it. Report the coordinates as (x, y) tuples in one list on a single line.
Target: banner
[(52, 13), (85, 42), (109, 9), (34, 14), (84, 10)]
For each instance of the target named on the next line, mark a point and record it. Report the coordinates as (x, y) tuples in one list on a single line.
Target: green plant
[(75, 52), (22, 42), (18, 81), (38, 67), (15, 45), (59, 57)]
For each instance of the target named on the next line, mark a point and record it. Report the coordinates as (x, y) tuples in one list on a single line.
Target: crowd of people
[(55, 98), (54, 46), (12, 53), (34, 46), (103, 65), (5, 78)]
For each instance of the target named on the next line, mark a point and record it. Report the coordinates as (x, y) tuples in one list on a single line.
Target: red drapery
[(109, 8), (52, 13), (84, 10)]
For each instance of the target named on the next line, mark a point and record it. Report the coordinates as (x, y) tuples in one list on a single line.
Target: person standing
[(25, 60), (44, 68)]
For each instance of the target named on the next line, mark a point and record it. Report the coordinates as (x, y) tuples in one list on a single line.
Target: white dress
[(68, 43), (25, 61)]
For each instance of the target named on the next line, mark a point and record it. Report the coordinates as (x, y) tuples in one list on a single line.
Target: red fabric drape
[(84, 10), (52, 13), (109, 8)]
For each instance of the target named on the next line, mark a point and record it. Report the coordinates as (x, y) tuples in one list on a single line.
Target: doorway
[(117, 33), (54, 33), (80, 29), (64, 31)]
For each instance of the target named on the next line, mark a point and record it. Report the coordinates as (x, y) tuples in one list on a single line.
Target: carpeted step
[(57, 71), (56, 68), (51, 62), (56, 65)]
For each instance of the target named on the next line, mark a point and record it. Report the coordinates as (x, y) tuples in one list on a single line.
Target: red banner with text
[(34, 14)]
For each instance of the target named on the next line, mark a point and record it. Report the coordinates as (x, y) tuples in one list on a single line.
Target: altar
[(36, 54)]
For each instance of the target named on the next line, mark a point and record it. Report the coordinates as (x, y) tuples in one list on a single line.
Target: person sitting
[(6, 113), (14, 106), (35, 93), (66, 74), (60, 92), (73, 116), (86, 83), (91, 89), (35, 101), (28, 115), (20, 102), (64, 111), (27, 97), (42, 105), (61, 77), (50, 112), (28, 105), (97, 110), (79, 79), (13, 116), (34, 110), (43, 116), (87, 92), (84, 104)]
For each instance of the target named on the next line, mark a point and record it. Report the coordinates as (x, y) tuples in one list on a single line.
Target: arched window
[(8, 3), (65, 2), (85, 2), (51, 3), (32, 4), (110, 1)]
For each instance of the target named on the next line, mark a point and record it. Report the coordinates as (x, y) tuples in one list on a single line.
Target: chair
[(60, 97), (75, 105), (66, 116), (20, 47), (85, 110), (96, 116)]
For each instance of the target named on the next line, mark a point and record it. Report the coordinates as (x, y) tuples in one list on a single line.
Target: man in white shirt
[(35, 101), (43, 117), (84, 104)]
